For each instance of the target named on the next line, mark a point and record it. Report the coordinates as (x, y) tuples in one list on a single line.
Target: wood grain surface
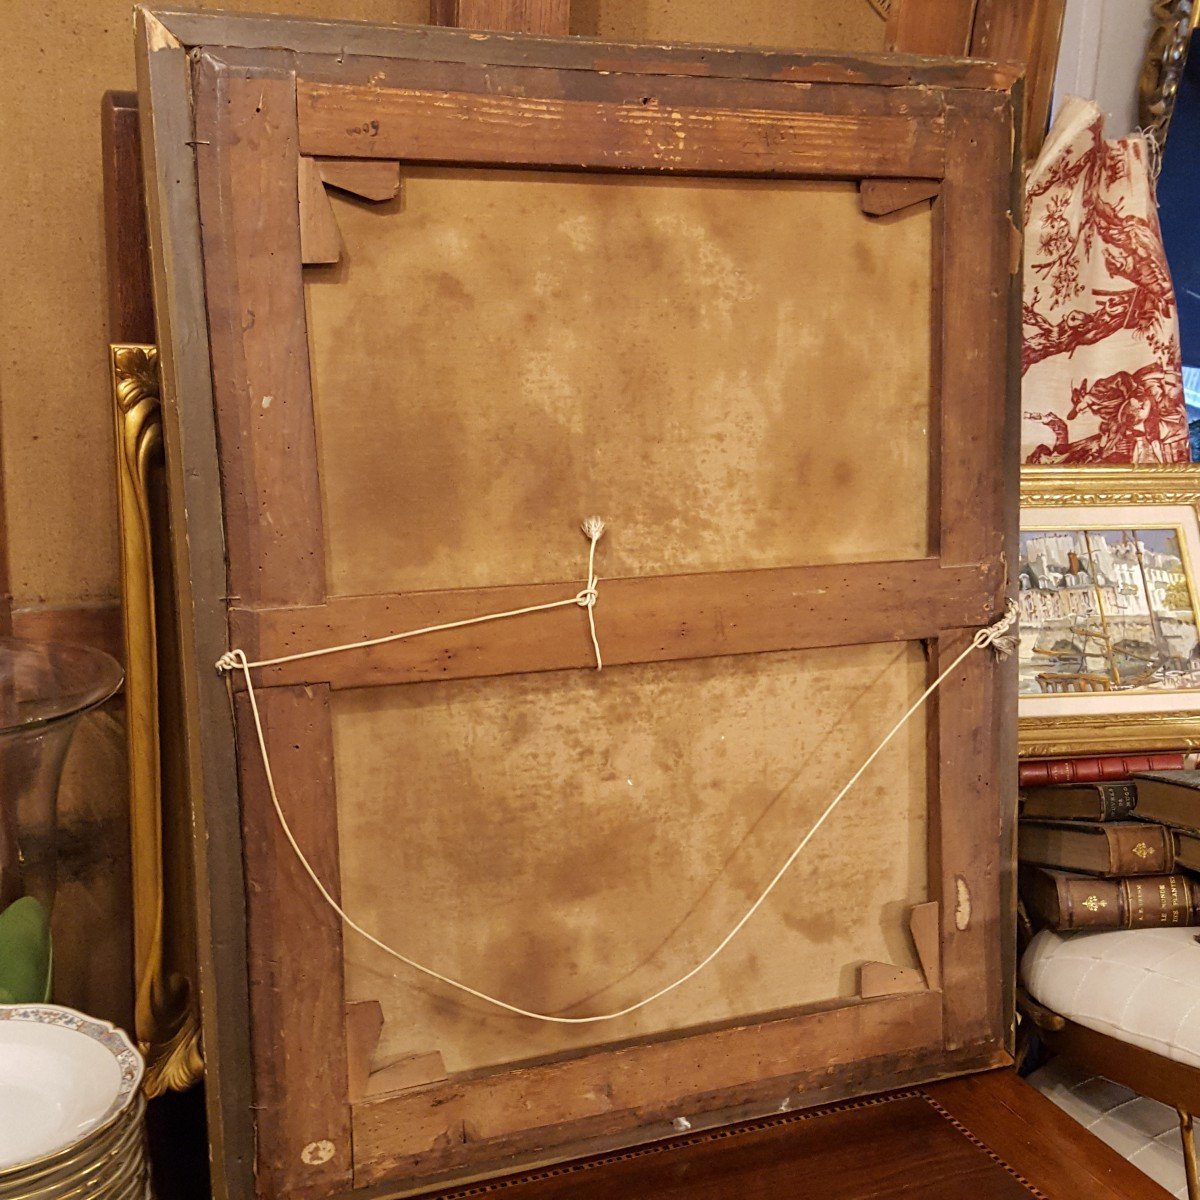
[(542, 132), (524, 16), (989, 1137), (640, 620)]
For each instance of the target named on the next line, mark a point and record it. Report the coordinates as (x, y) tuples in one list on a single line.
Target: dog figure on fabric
[(1130, 407)]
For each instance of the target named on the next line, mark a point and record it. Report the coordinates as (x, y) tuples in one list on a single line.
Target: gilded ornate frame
[(1053, 487), (166, 1012), (1162, 67)]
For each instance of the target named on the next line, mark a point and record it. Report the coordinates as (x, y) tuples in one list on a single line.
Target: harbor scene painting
[(1106, 610)]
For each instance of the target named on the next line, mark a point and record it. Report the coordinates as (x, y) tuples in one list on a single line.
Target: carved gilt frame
[(1058, 487), (166, 1011), (1162, 67)]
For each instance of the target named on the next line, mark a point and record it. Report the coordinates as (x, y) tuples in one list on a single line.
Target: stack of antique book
[(1110, 844)]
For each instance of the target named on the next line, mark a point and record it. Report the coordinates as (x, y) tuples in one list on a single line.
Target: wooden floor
[(984, 1137)]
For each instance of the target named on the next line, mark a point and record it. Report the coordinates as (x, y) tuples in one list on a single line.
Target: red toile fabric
[(1101, 379)]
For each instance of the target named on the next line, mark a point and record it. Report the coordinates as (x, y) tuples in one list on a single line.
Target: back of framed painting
[(583, 458)]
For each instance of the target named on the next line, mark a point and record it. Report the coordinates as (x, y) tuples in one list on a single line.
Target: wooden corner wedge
[(411, 1071), (368, 178), (878, 197), (877, 979), (882, 979), (320, 237), (924, 922), (364, 1024)]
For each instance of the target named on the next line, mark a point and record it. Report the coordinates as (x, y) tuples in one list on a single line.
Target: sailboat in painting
[(1105, 611)]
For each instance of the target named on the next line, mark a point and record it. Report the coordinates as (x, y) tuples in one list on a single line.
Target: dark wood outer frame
[(231, 104)]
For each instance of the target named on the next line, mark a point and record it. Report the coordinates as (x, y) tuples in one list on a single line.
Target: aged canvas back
[(428, 300)]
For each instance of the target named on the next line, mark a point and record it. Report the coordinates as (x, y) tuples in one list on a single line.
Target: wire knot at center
[(231, 660)]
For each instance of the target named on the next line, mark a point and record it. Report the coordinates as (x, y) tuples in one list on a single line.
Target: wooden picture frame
[(243, 120), (1093, 498)]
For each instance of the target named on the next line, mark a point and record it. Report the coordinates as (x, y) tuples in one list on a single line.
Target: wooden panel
[(199, 577), (1027, 32), (248, 171), (320, 241), (527, 131), (642, 351), (347, 40), (444, 1125), (516, 16), (298, 1033), (931, 26), (990, 1137), (1040, 1141), (127, 250), (978, 758), (882, 196), (371, 178), (788, 24), (636, 82), (646, 619), (617, 834)]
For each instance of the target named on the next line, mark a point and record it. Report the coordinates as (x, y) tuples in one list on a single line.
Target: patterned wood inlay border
[(742, 1129), (962, 1129)]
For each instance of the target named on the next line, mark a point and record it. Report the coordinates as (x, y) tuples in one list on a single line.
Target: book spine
[(1032, 773), (1153, 901), (1117, 800), (1147, 851)]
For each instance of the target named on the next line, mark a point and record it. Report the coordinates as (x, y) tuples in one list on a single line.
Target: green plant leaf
[(25, 955)]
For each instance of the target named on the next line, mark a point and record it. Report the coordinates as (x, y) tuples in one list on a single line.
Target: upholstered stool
[(1126, 1006)]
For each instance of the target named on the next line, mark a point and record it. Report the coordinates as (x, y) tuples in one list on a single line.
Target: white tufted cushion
[(1140, 986), (1141, 1130)]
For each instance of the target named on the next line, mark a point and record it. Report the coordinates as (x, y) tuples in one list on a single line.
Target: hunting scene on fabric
[(1106, 610)]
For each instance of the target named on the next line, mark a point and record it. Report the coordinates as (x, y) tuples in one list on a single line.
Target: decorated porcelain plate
[(90, 1168), (62, 1075)]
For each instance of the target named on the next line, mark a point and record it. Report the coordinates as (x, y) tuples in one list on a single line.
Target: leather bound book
[(1067, 901), (1170, 798), (1080, 801), (1097, 848), (1187, 850), (1039, 771)]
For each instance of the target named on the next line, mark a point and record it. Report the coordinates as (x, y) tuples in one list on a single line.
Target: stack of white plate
[(71, 1108)]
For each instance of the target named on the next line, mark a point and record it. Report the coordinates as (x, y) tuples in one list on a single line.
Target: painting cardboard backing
[(571, 841), (499, 354)]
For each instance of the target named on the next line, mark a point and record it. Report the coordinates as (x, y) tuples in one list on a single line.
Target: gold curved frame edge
[(166, 1020), (1065, 487), (1162, 66)]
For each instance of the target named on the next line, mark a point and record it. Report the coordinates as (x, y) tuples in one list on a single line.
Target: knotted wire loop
[(997, 634), (231, 660)]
